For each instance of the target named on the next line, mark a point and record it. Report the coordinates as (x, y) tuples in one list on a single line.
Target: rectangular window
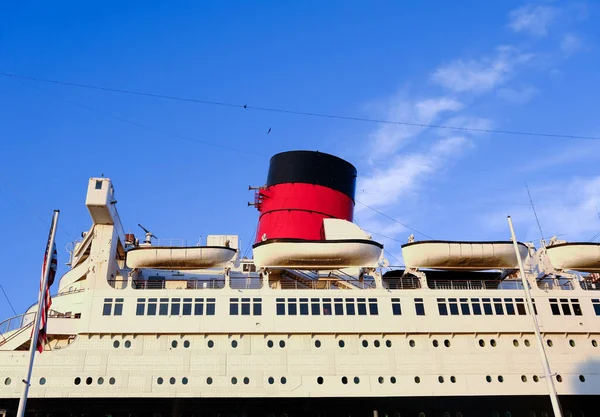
[(350, 309), (245, 306), (554, 306), (453, 306), (210, 306), (396, 309), (476, 306), (198, 306), (566, 309), (118, 307), (339, 306), (257, 306), (163, 308), (373, 309), (234, 306), (576, 307), (419, 307), (498, 307), (106, 311), (98, 185), (510, 307), (152, 306), (361, 305), (304, 306), (521, 307), (175, 306), (141, 307), (534, 306), (187, 306), (280, 306), (487, 306), (596, 304), (442, 307), (292, 307), (315, 307), (327, 306)]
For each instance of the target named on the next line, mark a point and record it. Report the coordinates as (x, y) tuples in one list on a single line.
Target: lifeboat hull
[(317, 254), (178, 258), (578, 256), (474, 256)]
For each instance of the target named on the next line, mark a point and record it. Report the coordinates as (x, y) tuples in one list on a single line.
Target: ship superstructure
[(316, 323)]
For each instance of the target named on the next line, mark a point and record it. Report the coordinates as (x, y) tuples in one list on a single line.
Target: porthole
[(211, 344), (435, 343), (159, 381), (77, 381), (246, 380), (184, 381), (112, 381), (493, 343), (7, 381), (488, 378), (388, 343), (441, 379), (549, 343), (270, 343), (559, 378), (271, 380), (594, 343), (174, 344), (481, 342), (100, 381), (453, 379), (172, 381), (127, 344), (43, 381), (417, 380), (515, 342), (320, 380), (186, 344), (365, 343), (356, 380), (447, 414), (282, 343), (341, 343), (209, 381), (234, 343), (526, 342), (422, 414), (500, 378), (283, 380), (89, 380), (393, 379), (317, 343), (447, 343), (411, 343), (344, 380), (581, 378), (380, 380), (116, 344), (523, 378), (377, 343), (536, 378), (572, 343), (234, 380)]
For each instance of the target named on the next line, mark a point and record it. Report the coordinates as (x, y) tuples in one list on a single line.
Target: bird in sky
[(269, 131)]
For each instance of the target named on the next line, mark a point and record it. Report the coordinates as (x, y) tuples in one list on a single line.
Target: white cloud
[(534, 20), (571, 43), (517, 96), (480, 76)]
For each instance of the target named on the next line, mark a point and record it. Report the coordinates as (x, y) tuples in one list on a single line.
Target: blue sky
[(512, 65)]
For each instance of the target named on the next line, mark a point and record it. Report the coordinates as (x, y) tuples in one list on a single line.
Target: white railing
[(16, 323), (474, 285)]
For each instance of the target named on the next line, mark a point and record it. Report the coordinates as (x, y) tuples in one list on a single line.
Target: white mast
[(540, 344), (38, 316)]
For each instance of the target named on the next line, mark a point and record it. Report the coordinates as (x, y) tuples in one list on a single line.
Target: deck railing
[(195, 284), (589, 286), (403, 283), (474, 285), (15, 323)]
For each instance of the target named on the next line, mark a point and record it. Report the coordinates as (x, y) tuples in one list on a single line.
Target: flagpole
[(38, 316)]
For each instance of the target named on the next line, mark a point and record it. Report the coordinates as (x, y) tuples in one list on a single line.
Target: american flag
[(44, 308)]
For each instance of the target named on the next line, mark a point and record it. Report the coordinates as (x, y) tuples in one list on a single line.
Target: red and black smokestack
[(303, 188)]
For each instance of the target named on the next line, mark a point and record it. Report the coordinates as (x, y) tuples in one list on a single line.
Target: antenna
[(535, 213), (597, 234), (149, 235)]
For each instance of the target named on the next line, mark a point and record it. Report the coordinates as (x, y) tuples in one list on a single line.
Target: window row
[(108, 310), (175, 306), (326, 306), (483, 306), (566, 307), (245, 306)]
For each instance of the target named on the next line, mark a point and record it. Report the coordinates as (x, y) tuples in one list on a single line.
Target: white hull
[(577, 256), (448, 255), (317, 254), (179, 258)]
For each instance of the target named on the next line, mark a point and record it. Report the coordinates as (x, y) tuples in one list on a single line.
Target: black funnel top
[(312, 167)]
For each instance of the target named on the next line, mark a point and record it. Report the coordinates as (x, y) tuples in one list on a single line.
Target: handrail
[(473, 285), (15, 323)]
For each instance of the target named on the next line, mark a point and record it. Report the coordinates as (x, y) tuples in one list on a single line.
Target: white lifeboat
[(450, 255), (579, 256), (167, 257), (345, 245)]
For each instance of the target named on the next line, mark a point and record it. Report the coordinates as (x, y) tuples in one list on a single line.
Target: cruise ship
[(315, 323)]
